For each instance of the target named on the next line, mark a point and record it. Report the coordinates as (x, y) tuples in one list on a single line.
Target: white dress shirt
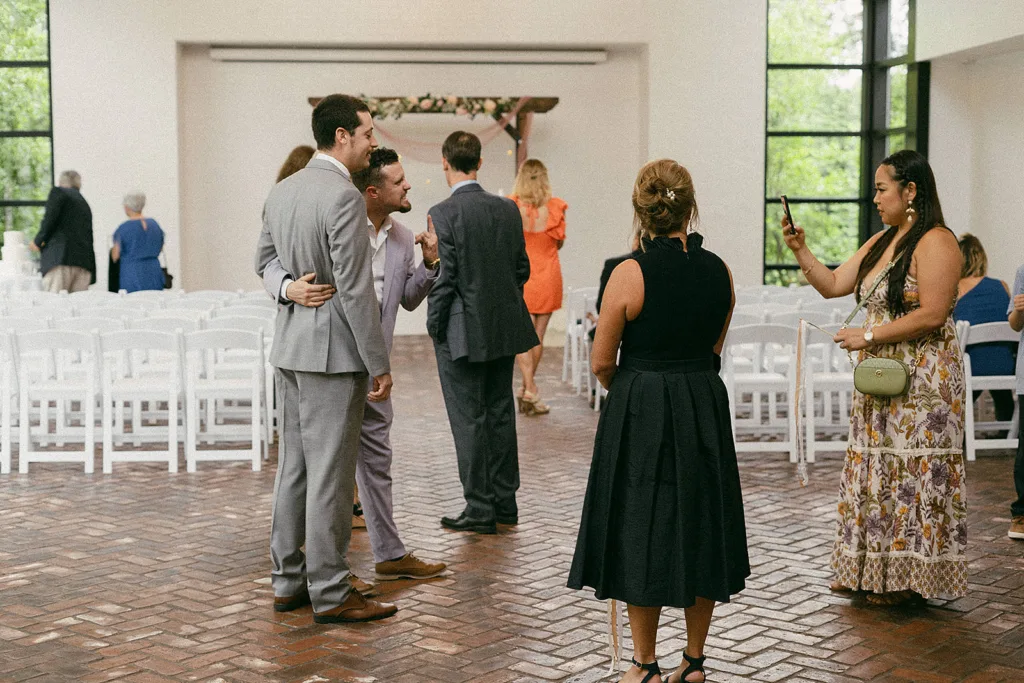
[(463, 183), (341, 167), (379, 247)]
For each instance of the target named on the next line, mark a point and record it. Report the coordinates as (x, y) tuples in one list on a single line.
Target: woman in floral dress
[(902, 531)]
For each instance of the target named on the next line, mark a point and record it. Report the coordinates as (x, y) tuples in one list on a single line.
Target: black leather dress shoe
[(464, 523), (507, 520)]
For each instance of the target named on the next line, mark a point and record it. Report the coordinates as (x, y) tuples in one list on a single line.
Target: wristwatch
[(432, 265), (869, 336)]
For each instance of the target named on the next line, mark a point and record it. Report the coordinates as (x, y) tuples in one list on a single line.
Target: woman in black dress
[(663, 516)]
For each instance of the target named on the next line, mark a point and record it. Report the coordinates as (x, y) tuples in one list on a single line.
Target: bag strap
[(874, 286)]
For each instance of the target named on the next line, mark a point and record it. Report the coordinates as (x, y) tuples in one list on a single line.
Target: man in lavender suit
[(396, 280)]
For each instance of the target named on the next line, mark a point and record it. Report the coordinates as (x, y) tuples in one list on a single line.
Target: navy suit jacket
[(477, 306)]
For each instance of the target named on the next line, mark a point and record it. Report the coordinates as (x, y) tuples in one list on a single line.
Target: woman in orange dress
[(544, 231)]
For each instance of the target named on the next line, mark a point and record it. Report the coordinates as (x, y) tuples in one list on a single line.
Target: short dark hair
[(462, 151), (372, 174), (334, 112)]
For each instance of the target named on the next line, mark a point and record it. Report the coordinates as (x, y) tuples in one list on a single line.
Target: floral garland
[(394, 107)]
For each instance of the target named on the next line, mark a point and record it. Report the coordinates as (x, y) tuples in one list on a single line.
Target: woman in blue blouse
[(982, 299), (137, 246)]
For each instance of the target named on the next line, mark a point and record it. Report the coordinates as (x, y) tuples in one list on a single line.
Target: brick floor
[(145, 576)]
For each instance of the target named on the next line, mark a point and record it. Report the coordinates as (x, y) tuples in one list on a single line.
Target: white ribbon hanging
[(615, 625)]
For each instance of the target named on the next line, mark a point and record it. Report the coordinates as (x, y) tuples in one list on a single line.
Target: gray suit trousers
[(321, 418), (481, 412), (373, 474)]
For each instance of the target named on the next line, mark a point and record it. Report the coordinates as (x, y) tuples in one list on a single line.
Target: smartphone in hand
[(789, 216)]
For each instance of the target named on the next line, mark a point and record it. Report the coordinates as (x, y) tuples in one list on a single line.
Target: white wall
[(946, 27), (229, 158), (977, 152), (116, 91)]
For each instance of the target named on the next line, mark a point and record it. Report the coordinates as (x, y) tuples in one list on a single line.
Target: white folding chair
[(988, 333), (197, 310), (257, 297), (263, 301), (264, 313), (204, 383), (73, 378), (124, 381), (8, 390), (220, 295), (793, 318), (574, 351), (827, 393), (773, 373), (259, 325), (745, 318), (111, 312)]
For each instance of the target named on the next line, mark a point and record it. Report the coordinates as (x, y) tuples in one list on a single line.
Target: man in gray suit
[(396, 281), (479, 322), (314, 222)]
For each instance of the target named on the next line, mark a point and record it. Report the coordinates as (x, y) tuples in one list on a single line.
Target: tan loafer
[(355, 608), (409, 567)]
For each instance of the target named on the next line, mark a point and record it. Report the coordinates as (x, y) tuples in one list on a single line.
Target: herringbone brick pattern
[(145, 576)]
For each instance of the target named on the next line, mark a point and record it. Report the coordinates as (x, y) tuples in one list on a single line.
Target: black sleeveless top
[(686, 301)]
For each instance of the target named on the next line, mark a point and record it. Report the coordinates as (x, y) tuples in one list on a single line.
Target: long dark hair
[(907, 166)]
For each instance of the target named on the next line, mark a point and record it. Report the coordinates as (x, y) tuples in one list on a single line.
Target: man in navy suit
[(479, 322)]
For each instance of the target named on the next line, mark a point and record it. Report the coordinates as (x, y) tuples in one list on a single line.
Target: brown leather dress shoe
[(408, 567), (355, 608), (365, 589), (287, 603)]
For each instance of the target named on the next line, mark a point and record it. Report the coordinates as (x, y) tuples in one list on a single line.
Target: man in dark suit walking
[(65, 238), (478, 321)]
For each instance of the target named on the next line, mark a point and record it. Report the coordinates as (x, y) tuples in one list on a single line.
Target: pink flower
[(453, 99), (490, 106), (426, 103), (461, 111)]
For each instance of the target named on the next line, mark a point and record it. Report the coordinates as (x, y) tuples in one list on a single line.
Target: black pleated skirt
[(663, 515)]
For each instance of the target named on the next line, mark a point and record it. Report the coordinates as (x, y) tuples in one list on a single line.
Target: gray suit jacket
[(477, 306), (315, 221), (404, 282)]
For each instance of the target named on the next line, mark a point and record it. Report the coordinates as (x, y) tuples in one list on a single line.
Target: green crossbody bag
[(874, 376)]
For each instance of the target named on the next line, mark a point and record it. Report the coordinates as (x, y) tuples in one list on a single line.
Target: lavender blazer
[(404, 282)]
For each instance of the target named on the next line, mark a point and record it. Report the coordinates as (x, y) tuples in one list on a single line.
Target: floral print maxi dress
[(902, 496)]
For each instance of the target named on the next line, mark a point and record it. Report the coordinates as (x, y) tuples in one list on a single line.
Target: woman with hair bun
[(902, 529), (544, 232), (296, 161), (663, 516)]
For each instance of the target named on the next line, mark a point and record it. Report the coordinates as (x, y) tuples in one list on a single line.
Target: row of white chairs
[(759, 369), (203, 379)]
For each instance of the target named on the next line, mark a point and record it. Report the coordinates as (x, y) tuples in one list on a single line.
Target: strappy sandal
[(530, 404), (652, 669), (694, 664)]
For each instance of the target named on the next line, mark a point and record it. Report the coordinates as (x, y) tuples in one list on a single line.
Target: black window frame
[(33, 64), (874, 131)]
